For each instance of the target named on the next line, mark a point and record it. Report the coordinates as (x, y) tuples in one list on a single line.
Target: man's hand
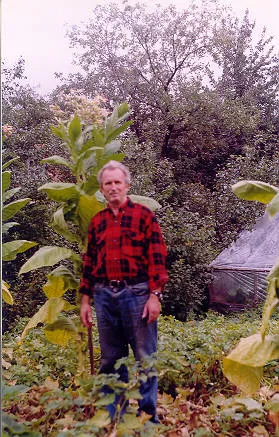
[(86, 311), (152, 309)]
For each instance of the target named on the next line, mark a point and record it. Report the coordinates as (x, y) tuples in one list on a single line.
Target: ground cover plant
[(44, 396)]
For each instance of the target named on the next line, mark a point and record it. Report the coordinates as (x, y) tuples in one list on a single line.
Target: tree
[(198, 87)]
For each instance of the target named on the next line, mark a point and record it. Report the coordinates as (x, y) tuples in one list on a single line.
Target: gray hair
[(113, 165)]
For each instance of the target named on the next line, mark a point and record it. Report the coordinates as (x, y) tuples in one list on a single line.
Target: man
[(124, 268)]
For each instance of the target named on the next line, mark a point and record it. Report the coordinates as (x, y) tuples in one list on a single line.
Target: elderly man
[(124, 269)]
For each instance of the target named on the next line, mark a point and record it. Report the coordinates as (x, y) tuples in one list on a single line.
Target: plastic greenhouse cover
[(256, 249), (239, 272)]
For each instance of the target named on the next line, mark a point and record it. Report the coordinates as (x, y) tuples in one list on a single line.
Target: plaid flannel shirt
[(126, 246)]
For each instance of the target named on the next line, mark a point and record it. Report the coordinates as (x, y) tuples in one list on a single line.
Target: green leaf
[(271, 303), (92, 185), (84, 163), (98, 138), (114, 133), (61, 191), (146, 201), (123, 110), (8, 163), (274, 272), (61, 331), (74, 129), (59, 281), (12, 208), (244, 365), (87, 207), (105, 400), (273, 207), (6, 294), (48, 313), (10, 193), (10, 392), (46, 256), (255, 190), (101, 419), (60, 132), (6, 180), (7, 226), (112, 147), (56, 160), (12, 248), (59, 224)]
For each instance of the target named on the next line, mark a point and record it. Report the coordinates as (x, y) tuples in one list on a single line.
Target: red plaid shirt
[(129, 245)]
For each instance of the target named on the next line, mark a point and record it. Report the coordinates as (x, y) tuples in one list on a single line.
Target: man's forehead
[(115, 173)]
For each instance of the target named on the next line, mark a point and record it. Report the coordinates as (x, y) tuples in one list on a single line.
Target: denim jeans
[(120, 324)]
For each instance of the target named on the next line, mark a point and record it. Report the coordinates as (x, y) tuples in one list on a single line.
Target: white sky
[(35, 30)]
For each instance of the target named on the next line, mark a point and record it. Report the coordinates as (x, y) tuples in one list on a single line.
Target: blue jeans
[(120, 324)]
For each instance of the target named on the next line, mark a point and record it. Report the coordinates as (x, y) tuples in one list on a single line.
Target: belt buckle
[(114, 283)]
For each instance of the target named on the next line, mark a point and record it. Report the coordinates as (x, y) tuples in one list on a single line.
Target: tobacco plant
[(89, 148)]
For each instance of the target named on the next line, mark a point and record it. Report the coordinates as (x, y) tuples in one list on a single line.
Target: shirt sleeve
[(157, 254), (89, 260)]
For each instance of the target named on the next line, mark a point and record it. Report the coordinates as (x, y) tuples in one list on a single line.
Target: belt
[(116, 283)]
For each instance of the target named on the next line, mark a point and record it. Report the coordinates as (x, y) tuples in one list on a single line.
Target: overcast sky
[(35, 30)]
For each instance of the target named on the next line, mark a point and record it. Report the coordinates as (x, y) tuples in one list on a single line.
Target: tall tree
[(198, 86)]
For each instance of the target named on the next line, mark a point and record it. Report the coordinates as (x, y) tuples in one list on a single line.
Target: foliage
[(193, 393), (244, 365), (232, 215), (10, 249), (200, 85)]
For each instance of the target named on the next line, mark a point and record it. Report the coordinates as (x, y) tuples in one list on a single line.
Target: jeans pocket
[(140, 289)]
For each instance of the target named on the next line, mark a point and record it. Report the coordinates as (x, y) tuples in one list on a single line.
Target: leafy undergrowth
[(45, 394)]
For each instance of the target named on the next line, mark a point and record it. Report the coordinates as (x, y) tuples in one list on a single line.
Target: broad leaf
[(114, 133), (74, 129), (10, 193), (244, 365), (92, 185), (273, 207), (10, 392), (98, 138), (146, 201), (56, 160), (255, 190), (7, 226), (46, 256), (59, 281), (112, 147), (59, 224), (8, 163), (61, 192), (271, 303), (61, 331), (6, 294), (12, 248), (88, 206), (12, 208), (274, 272), (60, 132), (48, 313), (86, 160), (123, 111), (6, 180), (101, 419)]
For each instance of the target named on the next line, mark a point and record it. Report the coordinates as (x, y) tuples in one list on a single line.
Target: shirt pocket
[(133, 243)]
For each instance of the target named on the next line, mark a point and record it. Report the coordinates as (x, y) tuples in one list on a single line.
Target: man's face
[(114, 187)]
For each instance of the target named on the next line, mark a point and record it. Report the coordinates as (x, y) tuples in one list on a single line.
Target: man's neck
[(115, 207)]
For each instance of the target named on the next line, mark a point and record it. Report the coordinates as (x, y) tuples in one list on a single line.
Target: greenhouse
[(240, 271)]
